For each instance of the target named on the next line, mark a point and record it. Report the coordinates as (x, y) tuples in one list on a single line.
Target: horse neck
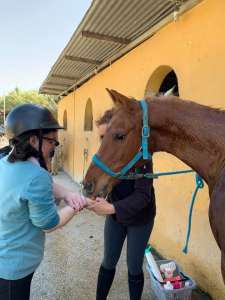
[(181, 129)]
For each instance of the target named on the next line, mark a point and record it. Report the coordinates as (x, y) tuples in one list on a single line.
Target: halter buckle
[(145, 131)]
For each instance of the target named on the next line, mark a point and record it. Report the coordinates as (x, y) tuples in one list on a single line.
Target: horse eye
[(119, 136)]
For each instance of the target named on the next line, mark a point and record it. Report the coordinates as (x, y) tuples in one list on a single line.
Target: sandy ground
[(3, 141), (72, 259)]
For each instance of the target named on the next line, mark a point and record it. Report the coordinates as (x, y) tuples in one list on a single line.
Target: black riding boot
[(136, 284), (105, 279)]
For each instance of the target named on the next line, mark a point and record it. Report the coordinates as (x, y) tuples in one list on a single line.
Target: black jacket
[(134, 200)]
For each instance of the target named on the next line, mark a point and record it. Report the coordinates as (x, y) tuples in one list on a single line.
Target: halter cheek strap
[(145, 133)]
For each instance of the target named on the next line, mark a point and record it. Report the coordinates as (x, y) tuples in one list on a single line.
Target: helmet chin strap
[(41, 157)]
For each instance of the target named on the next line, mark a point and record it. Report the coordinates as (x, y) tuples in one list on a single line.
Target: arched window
[(65, 119), (88, 117), (162, 79)]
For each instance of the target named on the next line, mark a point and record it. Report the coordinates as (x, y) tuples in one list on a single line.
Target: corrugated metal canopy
[(109, 29)]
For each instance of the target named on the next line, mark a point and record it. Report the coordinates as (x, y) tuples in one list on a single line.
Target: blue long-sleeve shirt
[(27, 207)]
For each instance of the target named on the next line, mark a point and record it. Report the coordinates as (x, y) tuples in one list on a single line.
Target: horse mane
[(194, 109), (187, 104)]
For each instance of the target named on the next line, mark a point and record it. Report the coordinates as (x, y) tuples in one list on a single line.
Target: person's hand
[(101, 207), (90, 202), (76, 201)]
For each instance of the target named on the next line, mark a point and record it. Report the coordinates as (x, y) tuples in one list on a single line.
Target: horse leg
[(223, 266), (217, 218)]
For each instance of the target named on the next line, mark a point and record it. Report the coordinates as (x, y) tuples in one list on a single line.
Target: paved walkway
[(72, 258)]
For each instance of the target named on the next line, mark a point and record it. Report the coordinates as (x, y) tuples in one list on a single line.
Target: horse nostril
[(104, 191), (88, 187)]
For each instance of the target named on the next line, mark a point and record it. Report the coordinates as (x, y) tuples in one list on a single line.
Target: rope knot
[(199, 181)]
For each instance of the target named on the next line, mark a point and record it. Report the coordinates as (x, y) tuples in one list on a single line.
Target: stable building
[(137, 47)]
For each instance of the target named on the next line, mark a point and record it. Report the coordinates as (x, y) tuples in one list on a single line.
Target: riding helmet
[(27, 117)]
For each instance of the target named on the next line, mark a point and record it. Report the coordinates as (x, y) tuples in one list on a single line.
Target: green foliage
[(18, 96)]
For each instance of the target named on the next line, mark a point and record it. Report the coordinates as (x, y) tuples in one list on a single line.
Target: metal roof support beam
[(52, 89), (103, 37), (83, 59), (58, 84), (64, 77), (44, 91)]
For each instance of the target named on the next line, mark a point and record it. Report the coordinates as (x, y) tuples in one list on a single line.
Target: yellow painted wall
[(67, 137), (194, 47)]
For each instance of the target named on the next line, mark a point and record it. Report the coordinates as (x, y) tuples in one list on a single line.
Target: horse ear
[(118, 99)]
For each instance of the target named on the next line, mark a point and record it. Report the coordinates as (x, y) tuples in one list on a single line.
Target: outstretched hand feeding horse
[(192, 132)]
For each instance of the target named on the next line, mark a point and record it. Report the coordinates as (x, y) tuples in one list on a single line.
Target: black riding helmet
[(27, 117)]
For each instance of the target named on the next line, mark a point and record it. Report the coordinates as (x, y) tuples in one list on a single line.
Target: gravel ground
[(72, 258)]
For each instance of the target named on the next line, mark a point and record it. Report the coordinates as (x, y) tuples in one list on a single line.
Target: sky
[(32, 35)]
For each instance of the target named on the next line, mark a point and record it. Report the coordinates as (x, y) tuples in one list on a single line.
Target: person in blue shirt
[(27, 198)]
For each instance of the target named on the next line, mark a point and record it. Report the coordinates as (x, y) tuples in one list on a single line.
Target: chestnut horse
[(192, 132)]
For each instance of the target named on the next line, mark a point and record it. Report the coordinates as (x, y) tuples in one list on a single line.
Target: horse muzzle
[(88, 188)]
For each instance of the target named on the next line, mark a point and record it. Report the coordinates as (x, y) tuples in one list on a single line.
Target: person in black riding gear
[(130, 212)]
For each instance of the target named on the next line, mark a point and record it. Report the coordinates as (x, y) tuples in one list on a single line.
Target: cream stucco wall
[(67, 137), (194, 47)]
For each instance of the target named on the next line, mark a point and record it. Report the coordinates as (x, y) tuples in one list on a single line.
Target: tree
[(18, 96)]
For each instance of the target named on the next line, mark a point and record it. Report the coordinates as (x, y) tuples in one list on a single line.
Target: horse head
[(121, 141)]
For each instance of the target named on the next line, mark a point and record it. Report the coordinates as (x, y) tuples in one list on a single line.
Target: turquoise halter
[(144, 154)]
